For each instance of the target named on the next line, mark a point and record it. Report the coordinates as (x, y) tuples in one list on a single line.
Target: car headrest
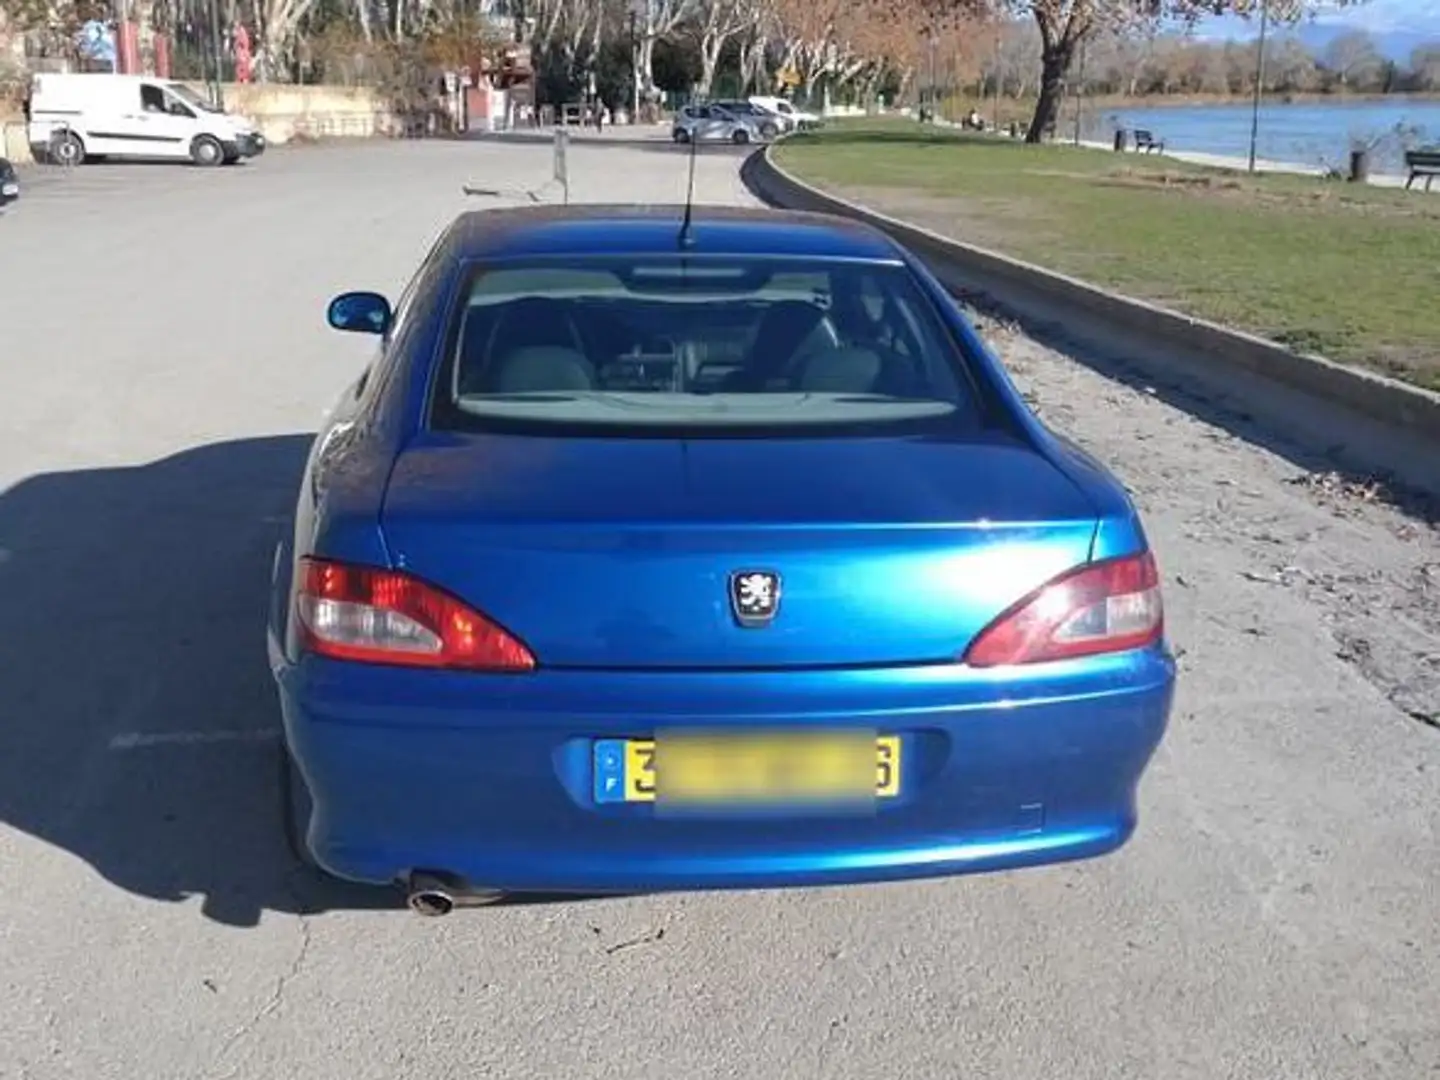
[(841, 371), (543, 368)]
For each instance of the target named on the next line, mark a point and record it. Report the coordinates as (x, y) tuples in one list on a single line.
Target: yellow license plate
[(760, 768)]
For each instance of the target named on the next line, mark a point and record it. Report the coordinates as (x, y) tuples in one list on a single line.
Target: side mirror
[(359, 313)]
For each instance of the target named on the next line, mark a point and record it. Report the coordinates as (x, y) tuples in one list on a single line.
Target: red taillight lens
[(388, 617), (1103, 607)]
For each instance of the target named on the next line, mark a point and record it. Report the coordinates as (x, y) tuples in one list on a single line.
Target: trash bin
[(1359, 166), (1121, 135)]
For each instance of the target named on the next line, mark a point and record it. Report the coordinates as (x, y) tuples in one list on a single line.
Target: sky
[(1381, 17)]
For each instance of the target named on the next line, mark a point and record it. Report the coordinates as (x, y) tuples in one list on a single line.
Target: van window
[(194, 101), (153, 99)]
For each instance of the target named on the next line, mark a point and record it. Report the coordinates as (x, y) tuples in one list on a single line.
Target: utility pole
[(634, 71), (995, 117), (215, 45), (1259, 81), (934, 90)]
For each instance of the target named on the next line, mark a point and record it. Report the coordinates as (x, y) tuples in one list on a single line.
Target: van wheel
[(740, 136), (67, 149), (206, 151)]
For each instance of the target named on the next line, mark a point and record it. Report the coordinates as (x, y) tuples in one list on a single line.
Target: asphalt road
[(163, 358)]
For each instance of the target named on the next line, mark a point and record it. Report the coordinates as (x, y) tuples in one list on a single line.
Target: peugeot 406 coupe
[(660, 551)]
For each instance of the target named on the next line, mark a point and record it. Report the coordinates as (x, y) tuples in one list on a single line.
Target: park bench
[(1144, 140), (1424, 163)]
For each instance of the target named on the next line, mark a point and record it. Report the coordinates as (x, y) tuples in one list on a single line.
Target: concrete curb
[(1026, 288)]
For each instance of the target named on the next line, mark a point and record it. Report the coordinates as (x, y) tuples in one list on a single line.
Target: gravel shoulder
[(1367, 570), (163, 362)]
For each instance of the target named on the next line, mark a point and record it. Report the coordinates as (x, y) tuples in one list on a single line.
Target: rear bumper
[(491, 778)]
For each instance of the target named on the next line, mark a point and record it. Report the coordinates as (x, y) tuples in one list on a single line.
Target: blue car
[(659, 551)]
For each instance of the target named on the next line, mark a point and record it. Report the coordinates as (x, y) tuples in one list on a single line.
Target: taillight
[(389, 617), (1098, 608)]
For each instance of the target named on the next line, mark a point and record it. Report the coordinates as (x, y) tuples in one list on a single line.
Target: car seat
[(543, 369), (782, 329)]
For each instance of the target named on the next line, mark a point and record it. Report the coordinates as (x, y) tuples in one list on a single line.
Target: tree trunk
[(752, 64), (710, 45), (1055, 62), (647, 66)]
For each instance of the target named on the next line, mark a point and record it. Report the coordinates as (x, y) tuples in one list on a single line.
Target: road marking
[(140, 740)]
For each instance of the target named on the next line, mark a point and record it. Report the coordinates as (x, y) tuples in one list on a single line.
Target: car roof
[(601, 229)]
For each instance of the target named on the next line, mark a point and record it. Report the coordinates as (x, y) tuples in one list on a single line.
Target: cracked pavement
[(163, 360)]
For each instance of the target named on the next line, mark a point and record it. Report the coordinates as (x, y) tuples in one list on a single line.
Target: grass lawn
[(1352, 272)]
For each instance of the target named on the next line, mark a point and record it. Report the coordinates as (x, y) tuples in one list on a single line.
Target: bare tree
[(1353, 58), (1063, 23), (717, 22), (658, 19), (1289, 65), (1425, 65)]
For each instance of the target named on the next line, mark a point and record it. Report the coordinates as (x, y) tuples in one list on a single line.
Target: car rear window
[(697, 345)]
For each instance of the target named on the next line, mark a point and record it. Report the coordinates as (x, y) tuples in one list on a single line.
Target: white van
[(77, 116)]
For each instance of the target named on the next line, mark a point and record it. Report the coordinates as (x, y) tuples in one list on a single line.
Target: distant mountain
[(1394, 45), (1398, 27)]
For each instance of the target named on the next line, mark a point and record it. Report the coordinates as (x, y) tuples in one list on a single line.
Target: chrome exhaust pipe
[(432, 894), (430, 902)]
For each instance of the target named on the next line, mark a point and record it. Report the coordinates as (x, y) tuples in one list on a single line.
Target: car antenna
[(686, 237)]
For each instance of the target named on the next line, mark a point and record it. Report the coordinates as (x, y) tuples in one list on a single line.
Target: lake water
[(1317, 135)]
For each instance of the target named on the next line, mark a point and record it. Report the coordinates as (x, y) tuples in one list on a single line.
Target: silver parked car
[(769, 124), (714, 123)]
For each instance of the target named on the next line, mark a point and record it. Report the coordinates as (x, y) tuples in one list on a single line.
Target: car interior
[(850, 337)]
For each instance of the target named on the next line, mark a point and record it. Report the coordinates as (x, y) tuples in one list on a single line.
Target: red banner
[(243, 57), (162, 56), (127, 49)]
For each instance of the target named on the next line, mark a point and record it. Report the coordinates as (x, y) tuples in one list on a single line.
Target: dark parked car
[(9, 183)]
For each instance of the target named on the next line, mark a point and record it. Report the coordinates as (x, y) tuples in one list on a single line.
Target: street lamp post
[(1259, 81)]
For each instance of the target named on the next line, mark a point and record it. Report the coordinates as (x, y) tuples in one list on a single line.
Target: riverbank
[(1288, 97), (1021, 109), (1346, 270), (1230, 163)]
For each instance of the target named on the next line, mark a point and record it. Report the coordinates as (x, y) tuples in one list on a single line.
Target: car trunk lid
[(622, 553)]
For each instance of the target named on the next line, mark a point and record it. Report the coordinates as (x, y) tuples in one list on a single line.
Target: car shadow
[(141, 725)]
